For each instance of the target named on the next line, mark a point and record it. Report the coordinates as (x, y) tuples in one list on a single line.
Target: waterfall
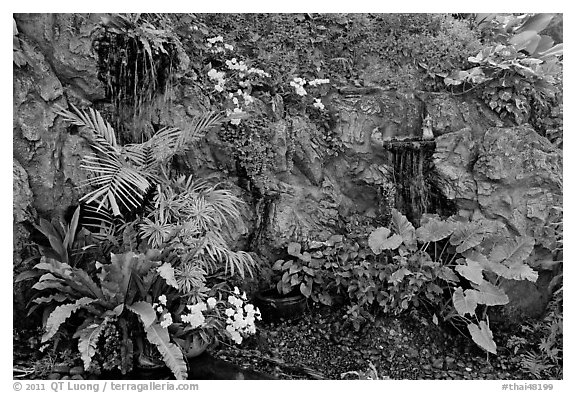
[(410, 169)]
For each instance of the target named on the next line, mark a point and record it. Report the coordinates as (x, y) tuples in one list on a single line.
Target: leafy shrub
[(117, 308), (518, 76), (544, 358), (470, 265), (451, 267)]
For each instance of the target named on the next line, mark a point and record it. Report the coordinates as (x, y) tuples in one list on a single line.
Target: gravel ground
[(321, 346)]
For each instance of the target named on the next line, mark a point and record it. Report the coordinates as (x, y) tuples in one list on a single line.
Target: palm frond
[(215, 248), (168, 141), (94, 122), (117, 183)]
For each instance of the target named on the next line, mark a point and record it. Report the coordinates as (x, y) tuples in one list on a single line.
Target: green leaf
[(59, 298), (71, 231), (471, 271), (482, 336), (403, 227), (60, 315), (166, 271), (434, 229), (488, 294), (145, 311), (463, 304), (466, 236), (294, 249), (512, 252), (399, 275), (521, 272), (28, 274), (171, 353), (278, 264), (306, 289), (535, 23), (379, 240), (447, 274), (88, 340)]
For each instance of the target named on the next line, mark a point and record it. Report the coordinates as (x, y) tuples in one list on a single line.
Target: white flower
[(298, 84), (197, 308), (166, 321), (194, 319), (248, 98), (235, 301), (211, 302), (228, 46), (218, 88), (214, 40), (259, 72), (236, 290), (162, 299), (249, 308), (159, 308), (318, 104), (235, 101), (317, 82), (235, 121), (229, 312)]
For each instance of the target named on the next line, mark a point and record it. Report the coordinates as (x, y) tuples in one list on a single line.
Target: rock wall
[(487, 168)]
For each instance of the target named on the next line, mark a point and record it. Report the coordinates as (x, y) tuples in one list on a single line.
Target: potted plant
[(294, 281)]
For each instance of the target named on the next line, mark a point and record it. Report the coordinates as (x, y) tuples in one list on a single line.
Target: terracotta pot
[(274, 306)]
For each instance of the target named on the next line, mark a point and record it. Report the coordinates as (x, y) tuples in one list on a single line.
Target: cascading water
[(412, 174)]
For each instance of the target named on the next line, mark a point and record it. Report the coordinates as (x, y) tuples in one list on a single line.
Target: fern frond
[(88, 340), (171, 353), (61, 314)]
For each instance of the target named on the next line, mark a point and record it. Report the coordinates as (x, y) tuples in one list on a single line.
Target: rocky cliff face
[(486, 168)]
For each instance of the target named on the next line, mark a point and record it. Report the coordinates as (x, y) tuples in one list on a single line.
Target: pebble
[(438, 363), (77, 377), (77, 370), (65, 377), (53, 376), (61, 368)]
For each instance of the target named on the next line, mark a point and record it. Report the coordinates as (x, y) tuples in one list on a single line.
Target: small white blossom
[(317, 82), (166, 320), (211, 302), (228, 46), (236, 290), (162, 299), (218, 88), (318, 104), (194, 319), (214, 40)]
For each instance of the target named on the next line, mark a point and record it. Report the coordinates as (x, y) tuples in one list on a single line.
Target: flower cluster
[(298, 84), (165, 316), (237, 74), (217, 76), (241, 318), (195, 318), (218, 48), (317, 82), (318, 104)]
